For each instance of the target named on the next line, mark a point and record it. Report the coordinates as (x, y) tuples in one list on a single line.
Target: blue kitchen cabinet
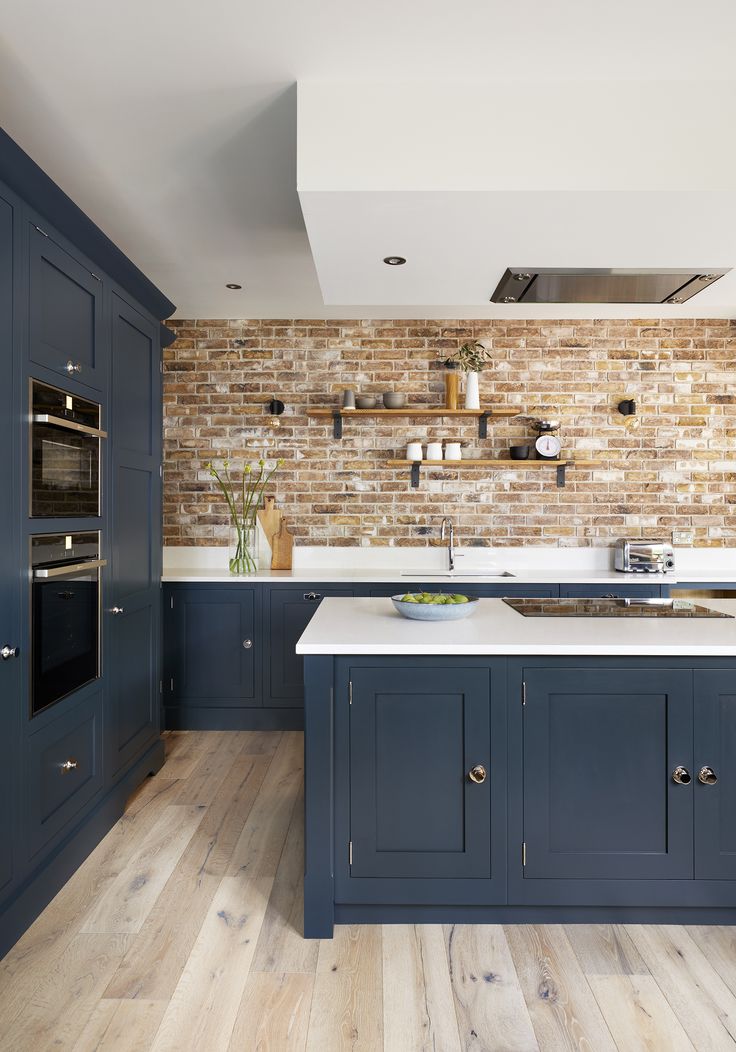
[(714, 774), (212, 652), (10, 665), (287, 612), (600, 746), (420, 803), (64, 761), (612, 591), (66, 316), (132, 596)]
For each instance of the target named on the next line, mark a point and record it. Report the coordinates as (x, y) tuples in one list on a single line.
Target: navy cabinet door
[(133, 593), (600, 746), (66, 321), (211, 646), (10, 702), (415, 733), (715, 756), (610, 591), (288, 613)]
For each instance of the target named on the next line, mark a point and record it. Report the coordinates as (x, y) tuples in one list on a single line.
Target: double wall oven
[(65, 566)]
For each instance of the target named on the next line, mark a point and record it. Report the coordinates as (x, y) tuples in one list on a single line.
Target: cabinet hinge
[(523, 854), (523, 692), (171, 684), (350, 853), (160, 471), (43, 232), (350, 692), (161, 366), (95, 276), (171, 602), (160, 686)]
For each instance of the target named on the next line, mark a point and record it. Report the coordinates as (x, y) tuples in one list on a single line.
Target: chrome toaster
[(644, 557)]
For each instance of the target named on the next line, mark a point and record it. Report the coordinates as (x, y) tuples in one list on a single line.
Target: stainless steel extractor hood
[(591, 285)]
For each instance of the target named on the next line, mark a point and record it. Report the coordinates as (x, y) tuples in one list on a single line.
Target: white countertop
[(332, 575), (372, 626), (527, 564)]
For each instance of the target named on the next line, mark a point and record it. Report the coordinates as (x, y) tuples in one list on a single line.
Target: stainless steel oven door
[(65, 454), (65, 636)]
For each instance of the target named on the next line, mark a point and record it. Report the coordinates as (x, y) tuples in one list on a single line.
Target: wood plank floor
[(183, 931)]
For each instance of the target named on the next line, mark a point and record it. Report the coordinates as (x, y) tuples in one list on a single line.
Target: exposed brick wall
[(672, 467)]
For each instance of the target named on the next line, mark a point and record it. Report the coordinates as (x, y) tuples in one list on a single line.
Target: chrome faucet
[(448, 531)]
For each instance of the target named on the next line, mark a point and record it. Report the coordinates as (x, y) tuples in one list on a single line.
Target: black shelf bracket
[(561, 475), (415, 474), (337, 425), (483, 425)]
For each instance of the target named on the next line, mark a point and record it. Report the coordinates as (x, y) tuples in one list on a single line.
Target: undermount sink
[(456, 573)]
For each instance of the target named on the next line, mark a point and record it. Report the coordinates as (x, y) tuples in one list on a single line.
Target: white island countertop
[(372, 626)]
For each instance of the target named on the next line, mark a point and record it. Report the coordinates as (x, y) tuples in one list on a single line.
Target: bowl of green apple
[(434, 606)]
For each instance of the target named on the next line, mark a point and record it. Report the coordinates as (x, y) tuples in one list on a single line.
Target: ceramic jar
[(414, 451), (434, 451)]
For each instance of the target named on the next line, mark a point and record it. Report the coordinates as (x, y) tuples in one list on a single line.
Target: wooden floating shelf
[(481, 415), (561, 466)]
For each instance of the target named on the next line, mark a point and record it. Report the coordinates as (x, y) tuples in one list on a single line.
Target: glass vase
[(243, 548)]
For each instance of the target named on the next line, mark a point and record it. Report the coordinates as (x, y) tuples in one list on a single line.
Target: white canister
[(414, 451), (434, 451), (453, 451)]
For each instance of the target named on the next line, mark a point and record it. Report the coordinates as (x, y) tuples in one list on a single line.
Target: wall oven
[(65, 454), (65, 615)]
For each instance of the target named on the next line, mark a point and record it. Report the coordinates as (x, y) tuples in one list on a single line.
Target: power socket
[(682, 538)]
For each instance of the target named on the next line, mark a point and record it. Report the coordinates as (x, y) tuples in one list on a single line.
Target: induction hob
[(610, 608)]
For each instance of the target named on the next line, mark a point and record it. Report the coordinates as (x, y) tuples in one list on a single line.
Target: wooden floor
[(182, 931)]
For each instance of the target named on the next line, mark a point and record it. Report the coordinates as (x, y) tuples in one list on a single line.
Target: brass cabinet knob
[(707, 776), (68, 765), (478, 774), (681, 775)]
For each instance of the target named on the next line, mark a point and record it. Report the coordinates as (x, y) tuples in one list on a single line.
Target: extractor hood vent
[(564, 285)]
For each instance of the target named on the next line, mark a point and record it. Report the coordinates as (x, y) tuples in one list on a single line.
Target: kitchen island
[(519, 766)]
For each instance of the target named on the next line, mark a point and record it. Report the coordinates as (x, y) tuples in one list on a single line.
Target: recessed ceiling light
[(394, 261), (233, 285)]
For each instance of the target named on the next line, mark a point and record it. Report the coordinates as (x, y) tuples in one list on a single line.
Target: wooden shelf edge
[(567, 463), (498, 411)]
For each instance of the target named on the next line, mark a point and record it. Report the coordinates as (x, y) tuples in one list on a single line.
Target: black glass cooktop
[(610, 608)]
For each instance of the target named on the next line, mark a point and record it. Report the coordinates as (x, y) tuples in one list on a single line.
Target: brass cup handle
[(707, 776), (478, 774), (681, 775), (68, 765)]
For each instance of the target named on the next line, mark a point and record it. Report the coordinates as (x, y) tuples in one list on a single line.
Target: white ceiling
[(172, 123)]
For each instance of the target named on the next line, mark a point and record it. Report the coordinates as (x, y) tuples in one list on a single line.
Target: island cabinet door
[(714, 774), (600, 748), (415, 734)]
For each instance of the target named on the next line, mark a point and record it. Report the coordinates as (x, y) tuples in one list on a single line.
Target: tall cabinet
[(10, 703), (76, 315)]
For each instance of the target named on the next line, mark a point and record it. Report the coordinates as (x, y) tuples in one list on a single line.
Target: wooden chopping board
[(282, 547), (280, 540), (270, 519)]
